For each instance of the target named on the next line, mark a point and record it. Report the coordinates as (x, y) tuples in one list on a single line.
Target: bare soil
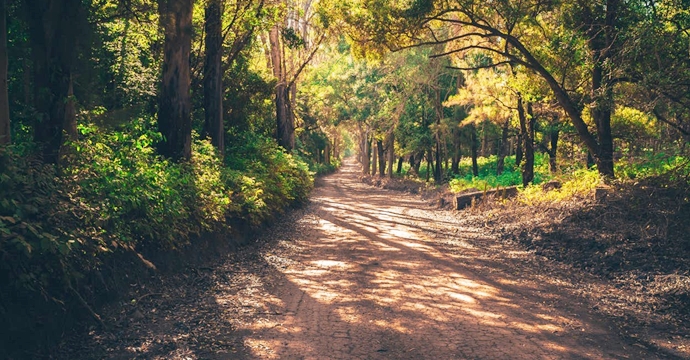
[(365, 273)]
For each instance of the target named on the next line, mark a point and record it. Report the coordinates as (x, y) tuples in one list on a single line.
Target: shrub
[(113, 191), (488, 179), (580, 183)]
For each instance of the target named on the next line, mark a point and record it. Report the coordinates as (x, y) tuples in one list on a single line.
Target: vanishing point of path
[(366, 273)]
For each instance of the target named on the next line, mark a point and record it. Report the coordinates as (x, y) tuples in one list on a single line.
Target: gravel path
[(362, 273)]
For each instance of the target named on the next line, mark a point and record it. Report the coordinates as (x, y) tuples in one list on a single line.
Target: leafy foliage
[(115, 193), (487, 178)]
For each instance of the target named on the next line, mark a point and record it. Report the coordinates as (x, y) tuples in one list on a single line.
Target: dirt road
[(365, 273)]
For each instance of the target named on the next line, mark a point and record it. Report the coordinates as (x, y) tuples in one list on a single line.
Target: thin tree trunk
[(5, 136), (374, 158), (365, 154), (527, 128), (474, 149), (213, 77), (519, 153), (382, 158), (455, 163), (418, 159), (391, 154), (70, 124), (502, 148), (485, 140), (429, 162), (400, 166)]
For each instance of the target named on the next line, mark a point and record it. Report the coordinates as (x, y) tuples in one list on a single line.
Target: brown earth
[(361, 273)]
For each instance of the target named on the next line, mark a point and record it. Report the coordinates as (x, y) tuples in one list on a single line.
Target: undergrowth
[(114, 192), (487, 178)]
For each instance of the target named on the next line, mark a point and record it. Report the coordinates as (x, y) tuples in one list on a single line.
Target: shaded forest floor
[(363, 272)]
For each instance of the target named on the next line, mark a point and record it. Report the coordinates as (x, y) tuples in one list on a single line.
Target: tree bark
[(455, 163), (519, 153), (400, 165), (365, 154), (70, 124), (391, 154), (374, 158), (5, 136), (213, 76), (54, 28), (474, 148), (174, 119), (418, 161), (429, 162), (527, 129), (382, 158), (285, 130)]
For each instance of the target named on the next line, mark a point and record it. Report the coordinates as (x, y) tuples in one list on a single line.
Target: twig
[(88, 308), (147, 295)]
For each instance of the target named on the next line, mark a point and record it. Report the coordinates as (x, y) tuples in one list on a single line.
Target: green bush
[(113, 191), (651, 164), (263, 177), (488, 179)]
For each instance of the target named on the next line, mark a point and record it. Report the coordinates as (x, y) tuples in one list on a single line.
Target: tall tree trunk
[(374, 158), (601, 45), (400, 165), (418, 161), (213, 76), (382, 158), (285, 130), (502, 148), (474, 148), (527, 129), (174, 119), (438, 173), (365, 153), (455, 163), (485, 140), (391, 154), (54, 27), (601, 114), (70, 124), (429, 162), (5, 136), (519, 153)]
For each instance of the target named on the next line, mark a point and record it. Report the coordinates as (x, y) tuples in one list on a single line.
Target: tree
[(174, 119), (518, 33), (293, 42), (213, 76), (54, 30)]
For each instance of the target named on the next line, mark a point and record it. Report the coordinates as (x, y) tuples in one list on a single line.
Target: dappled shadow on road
[(361, 273), (374, 279)]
